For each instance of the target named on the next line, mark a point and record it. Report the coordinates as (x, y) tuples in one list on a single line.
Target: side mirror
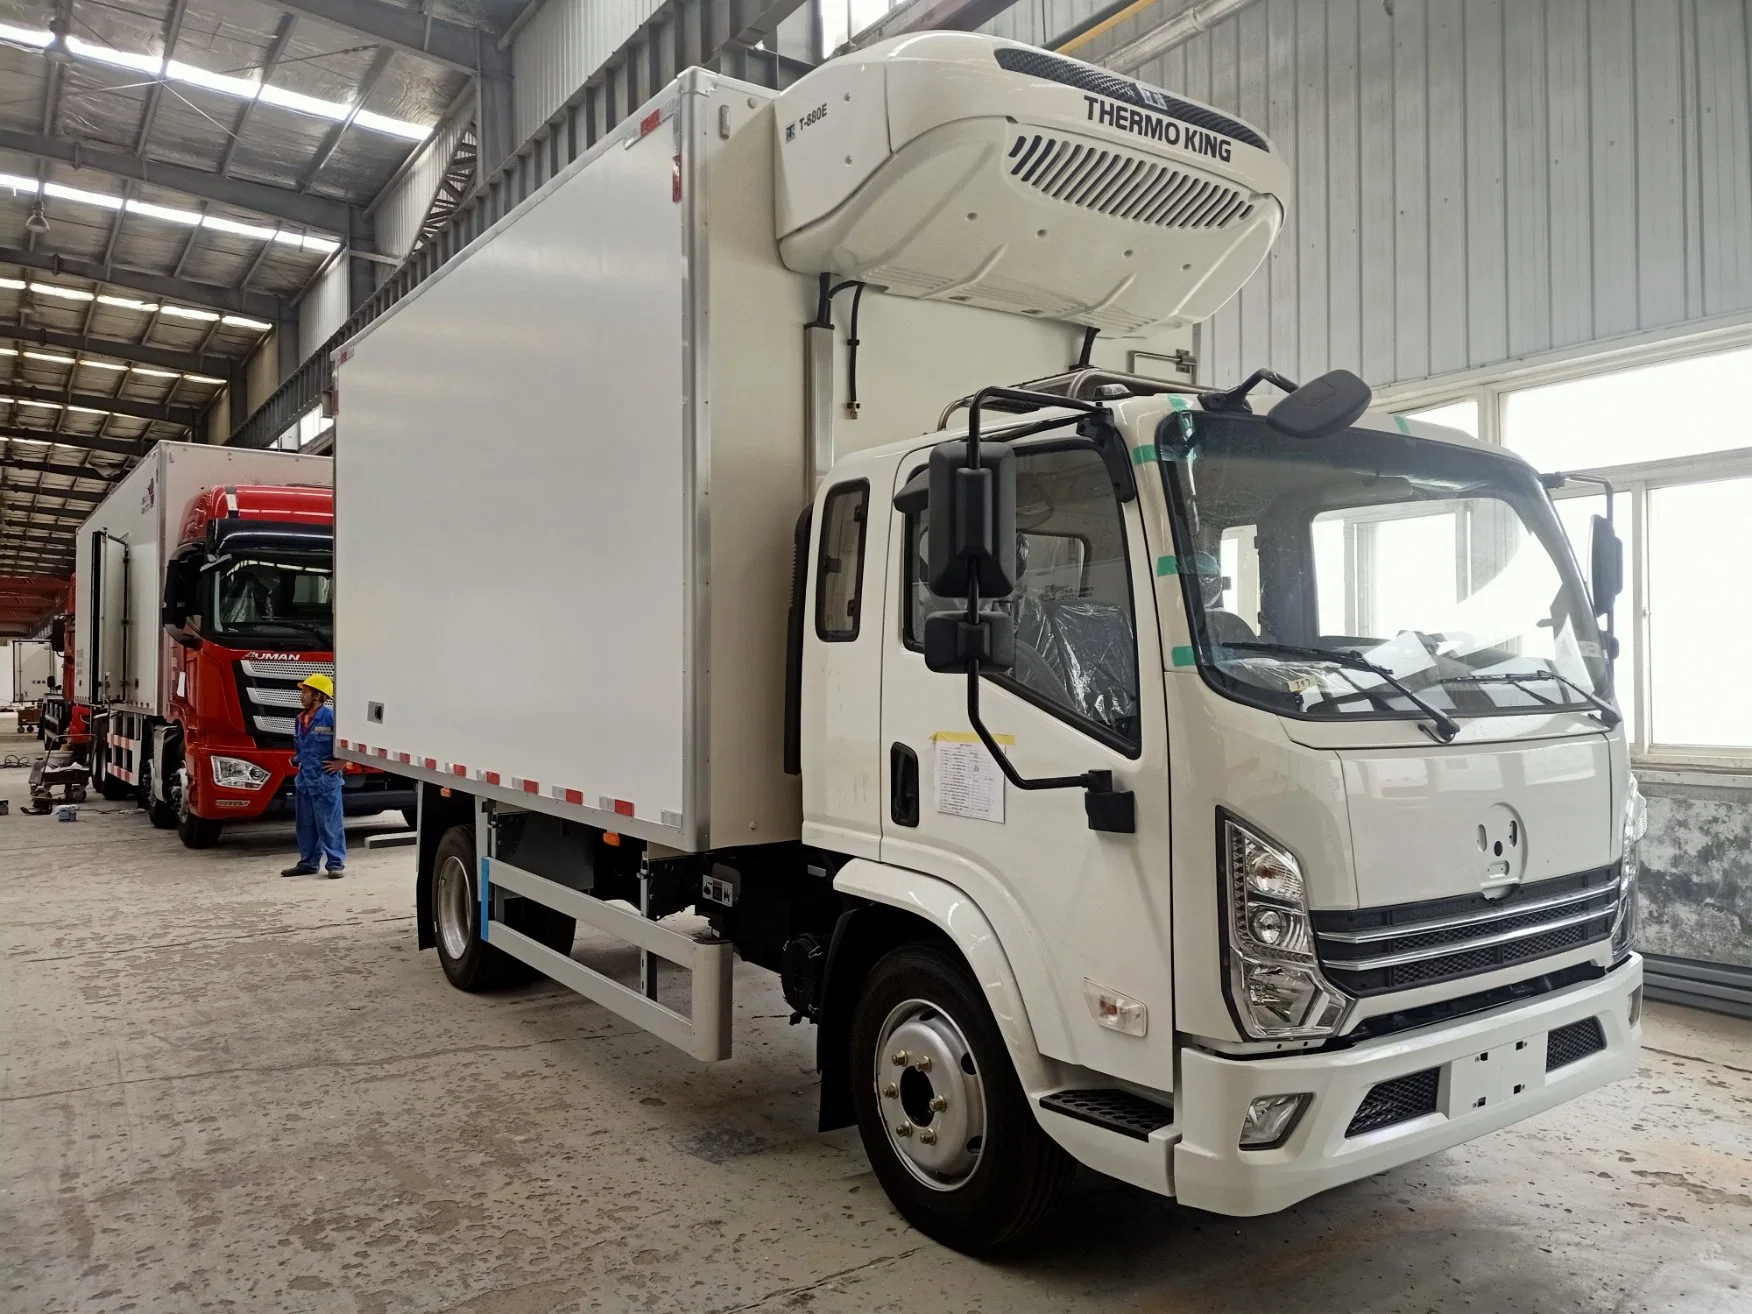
[(58, 635), (1321, 407), (182, 587), (1606, 564), (973, 521)]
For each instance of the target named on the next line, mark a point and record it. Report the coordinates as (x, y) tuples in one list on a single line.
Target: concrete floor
[(223, 1090)]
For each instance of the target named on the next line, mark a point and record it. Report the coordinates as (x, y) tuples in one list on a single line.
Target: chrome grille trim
[(286, 670), (274, 697), (1477, 919), (275, 725), (1476, 942)]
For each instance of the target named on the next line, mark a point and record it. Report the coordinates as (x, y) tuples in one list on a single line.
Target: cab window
[(1076, 630)]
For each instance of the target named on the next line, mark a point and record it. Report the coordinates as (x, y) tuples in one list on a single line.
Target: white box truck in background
[(32, 669), (1056, 733)]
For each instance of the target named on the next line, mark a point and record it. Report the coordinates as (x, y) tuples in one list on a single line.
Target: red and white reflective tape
[(527, 786), (565, 795), (120, 774), (121, 741), (560, 793)]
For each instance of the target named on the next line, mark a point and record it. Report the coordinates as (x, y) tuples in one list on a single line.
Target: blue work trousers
[(317, 810)]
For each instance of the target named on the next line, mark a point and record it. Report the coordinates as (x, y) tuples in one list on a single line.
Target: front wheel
[(195, 832), (943, 1119)]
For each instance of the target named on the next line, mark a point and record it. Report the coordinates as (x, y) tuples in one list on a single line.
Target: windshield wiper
[(1444, 727), (1608, 714)]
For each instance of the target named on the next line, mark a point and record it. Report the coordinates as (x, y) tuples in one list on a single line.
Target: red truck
[(205, 596)]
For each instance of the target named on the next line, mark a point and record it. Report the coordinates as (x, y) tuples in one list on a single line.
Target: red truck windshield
[(275, 592)]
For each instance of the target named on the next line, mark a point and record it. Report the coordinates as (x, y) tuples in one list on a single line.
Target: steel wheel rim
[(454, 907), (930, 1097)]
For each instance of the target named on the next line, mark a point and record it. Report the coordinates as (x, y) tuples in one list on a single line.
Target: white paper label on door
[(969, 781)]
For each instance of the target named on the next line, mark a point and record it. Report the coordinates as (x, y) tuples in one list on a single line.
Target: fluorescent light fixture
[(83, 197), (153, 64), (55, 360), (14, 284), (126, 303), (188, 312), (220, 225), (103, 365), (64, 293), (156, 374), (26, 36), (188, 218), (243, 321), (86, 410), (394, 127), (202, 378), (294, 100), (223, 83), (18, 183)]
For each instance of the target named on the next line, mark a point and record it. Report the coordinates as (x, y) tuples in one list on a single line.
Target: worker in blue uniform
[(317, 787)]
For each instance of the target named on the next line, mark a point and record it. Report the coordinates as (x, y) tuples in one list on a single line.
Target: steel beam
[(276, 50), (114, 446), (280, 203), (470, 49), (187, 416), (85, 472), (332, 138), (256, 305), (172, 32), (66, 494), (138, 353)]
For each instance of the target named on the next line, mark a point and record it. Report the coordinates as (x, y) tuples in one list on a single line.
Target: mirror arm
[(1605, 486)]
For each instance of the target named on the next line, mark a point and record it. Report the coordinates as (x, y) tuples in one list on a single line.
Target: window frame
[(1632, 483), (1103, 735), (860, 487)]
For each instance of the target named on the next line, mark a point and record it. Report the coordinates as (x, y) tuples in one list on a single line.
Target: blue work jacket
[(313, 745)]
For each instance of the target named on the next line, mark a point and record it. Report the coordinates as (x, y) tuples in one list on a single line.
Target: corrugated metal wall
[(561, 46), (402, 208), (323, 309), (1479, 180)]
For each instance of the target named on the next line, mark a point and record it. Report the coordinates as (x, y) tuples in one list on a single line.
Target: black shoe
[(299, 869), (335, 873)]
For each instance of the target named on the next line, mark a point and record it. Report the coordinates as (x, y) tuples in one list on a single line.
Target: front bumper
[(364, 791), (1212, 1172)]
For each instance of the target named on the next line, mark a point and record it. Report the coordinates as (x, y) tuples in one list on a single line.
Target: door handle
[(903, 785)]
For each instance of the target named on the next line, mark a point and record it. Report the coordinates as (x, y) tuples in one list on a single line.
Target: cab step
[(1113, 1110)]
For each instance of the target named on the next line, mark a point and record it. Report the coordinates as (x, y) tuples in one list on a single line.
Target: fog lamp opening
[(1270, 1120)]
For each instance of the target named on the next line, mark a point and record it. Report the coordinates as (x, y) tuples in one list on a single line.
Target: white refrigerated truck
[(1261, 821), (33, 670)]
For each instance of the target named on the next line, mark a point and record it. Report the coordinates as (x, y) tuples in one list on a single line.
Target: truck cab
[(248, 612), (1373, 887)]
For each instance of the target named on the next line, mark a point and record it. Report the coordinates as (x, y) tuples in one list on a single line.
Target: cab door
[(1078, 911)]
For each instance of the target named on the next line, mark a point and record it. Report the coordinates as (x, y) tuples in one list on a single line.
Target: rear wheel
[(195, 832), (468, 962), (943, 1119)]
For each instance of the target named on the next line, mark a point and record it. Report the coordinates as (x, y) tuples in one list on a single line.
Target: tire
[(162, 813), (113, 789), (195, 832), (468, 963), (1005, 1177)]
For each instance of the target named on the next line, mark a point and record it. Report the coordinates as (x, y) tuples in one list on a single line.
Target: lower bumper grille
[(1396, 1101), (1573, 1043)]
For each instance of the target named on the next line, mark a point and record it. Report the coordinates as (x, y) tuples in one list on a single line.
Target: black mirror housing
[(973, 521), (182, 586), (1605, 565), (952, 641), (1321, 407)]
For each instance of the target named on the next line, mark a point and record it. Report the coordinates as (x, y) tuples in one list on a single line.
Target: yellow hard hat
[(321, 683)]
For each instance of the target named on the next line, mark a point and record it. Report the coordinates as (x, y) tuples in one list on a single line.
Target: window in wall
[(1700, 537), (839, 563), (841, 20), (1461, 415), (1624, 417), (1076, 635)]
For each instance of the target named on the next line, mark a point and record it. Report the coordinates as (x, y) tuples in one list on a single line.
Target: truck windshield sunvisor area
[(1436, 574), (272, 588)]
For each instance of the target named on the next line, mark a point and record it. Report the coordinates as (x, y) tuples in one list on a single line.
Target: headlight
[(1636, 825), (1275, 982), (235, 773)]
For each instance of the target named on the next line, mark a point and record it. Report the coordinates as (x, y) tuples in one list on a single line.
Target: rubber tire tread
[(1023, 1174), (481, 966)]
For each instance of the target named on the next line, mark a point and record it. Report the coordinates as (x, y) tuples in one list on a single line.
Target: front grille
[(267, 691), (1375, 950), (1573, 1043), (1396, 1101), (1086, 77), (282, 668), (1124, 185)]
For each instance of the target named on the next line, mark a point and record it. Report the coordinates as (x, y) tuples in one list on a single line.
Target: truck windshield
[(276, 592), (1441, 566)]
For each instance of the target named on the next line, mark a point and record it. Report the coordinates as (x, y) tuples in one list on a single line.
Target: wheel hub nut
[(938, 1104), (924, 1063), (890, 1091), (927, 1136), (905, 1129), (900, 1058)]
